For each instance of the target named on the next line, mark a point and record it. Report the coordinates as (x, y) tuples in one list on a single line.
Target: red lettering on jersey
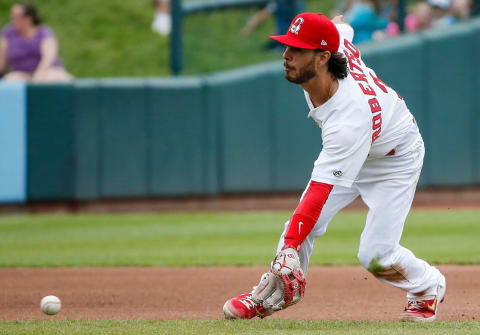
[(354, 62), (374, 105), (367, 90), (376, 134), (351, 48), (351, 59), (359, 76), (379, 83), (377, 121)]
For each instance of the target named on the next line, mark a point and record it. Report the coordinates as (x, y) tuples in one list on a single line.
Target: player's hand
[(286, 266), (284, 285), (285, 262), (338, 19)]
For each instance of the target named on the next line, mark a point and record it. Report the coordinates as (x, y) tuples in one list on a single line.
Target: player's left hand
[(284, 285)]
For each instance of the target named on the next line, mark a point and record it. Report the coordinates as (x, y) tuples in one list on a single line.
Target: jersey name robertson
[(390, 117), (364, 119), (359, 73)]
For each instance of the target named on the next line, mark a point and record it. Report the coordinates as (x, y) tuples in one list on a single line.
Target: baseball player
[(372, 148)]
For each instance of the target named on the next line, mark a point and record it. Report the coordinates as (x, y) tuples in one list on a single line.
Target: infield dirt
[(333, 293)]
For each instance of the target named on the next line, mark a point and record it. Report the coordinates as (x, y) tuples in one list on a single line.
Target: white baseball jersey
[(364, 119), (361, 124)]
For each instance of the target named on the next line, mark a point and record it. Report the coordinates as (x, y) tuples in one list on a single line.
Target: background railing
[(182, 9)]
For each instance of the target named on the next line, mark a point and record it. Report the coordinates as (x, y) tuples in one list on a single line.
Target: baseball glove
[(284, 285)]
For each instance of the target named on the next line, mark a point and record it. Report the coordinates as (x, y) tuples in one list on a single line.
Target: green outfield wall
[(240, 131)]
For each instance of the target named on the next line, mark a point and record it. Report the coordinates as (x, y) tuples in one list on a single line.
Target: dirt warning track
[(333, 293)]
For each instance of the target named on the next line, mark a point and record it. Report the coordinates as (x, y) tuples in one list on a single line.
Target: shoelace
[(248, 302), (417, 305)]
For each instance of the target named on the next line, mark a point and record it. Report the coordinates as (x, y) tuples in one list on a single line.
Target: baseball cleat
[(243, 307), (424, 310)]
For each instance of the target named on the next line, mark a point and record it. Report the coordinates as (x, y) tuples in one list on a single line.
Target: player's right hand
[(284, 285), (286, 261)]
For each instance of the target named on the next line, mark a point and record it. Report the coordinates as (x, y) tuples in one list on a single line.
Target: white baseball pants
[(387, 186)]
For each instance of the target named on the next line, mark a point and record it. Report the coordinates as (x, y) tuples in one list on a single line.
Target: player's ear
[(326, 56), (322, 57)]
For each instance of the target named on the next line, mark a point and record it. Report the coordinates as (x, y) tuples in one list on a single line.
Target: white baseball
[(50, 305)]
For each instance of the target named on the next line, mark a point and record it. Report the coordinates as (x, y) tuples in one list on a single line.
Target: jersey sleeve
[(345, 149), (345, 31)]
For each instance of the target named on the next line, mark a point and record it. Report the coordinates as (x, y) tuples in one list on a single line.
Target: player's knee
[(372, 256), (380, 261), (365, 256)]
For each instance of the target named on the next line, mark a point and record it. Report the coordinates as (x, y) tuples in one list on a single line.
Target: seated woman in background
[(29, 49)]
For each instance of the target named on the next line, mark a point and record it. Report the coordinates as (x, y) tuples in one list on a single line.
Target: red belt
[(391, 153)]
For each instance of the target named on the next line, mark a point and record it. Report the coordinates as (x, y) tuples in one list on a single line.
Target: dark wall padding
[(240, 131)]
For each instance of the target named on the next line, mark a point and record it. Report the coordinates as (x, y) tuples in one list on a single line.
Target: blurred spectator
[(284, 12), (441, 13), (419, 19), (30, 49), (461, 9), (162, 21), (422, 15), (363, 16)]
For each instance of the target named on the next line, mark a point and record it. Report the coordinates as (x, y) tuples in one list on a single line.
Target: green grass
[(231, 238), (112, 38), (211, 327)]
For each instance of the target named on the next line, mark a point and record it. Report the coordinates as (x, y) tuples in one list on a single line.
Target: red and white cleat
[(424, 310), (243, 307)]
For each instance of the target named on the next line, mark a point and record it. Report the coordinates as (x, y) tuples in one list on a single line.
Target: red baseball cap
[(311, 31)]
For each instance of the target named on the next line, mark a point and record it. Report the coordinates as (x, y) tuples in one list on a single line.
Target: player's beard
[(304, 74)]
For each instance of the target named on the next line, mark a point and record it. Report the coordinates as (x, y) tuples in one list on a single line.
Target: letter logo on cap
[(295, 28)]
